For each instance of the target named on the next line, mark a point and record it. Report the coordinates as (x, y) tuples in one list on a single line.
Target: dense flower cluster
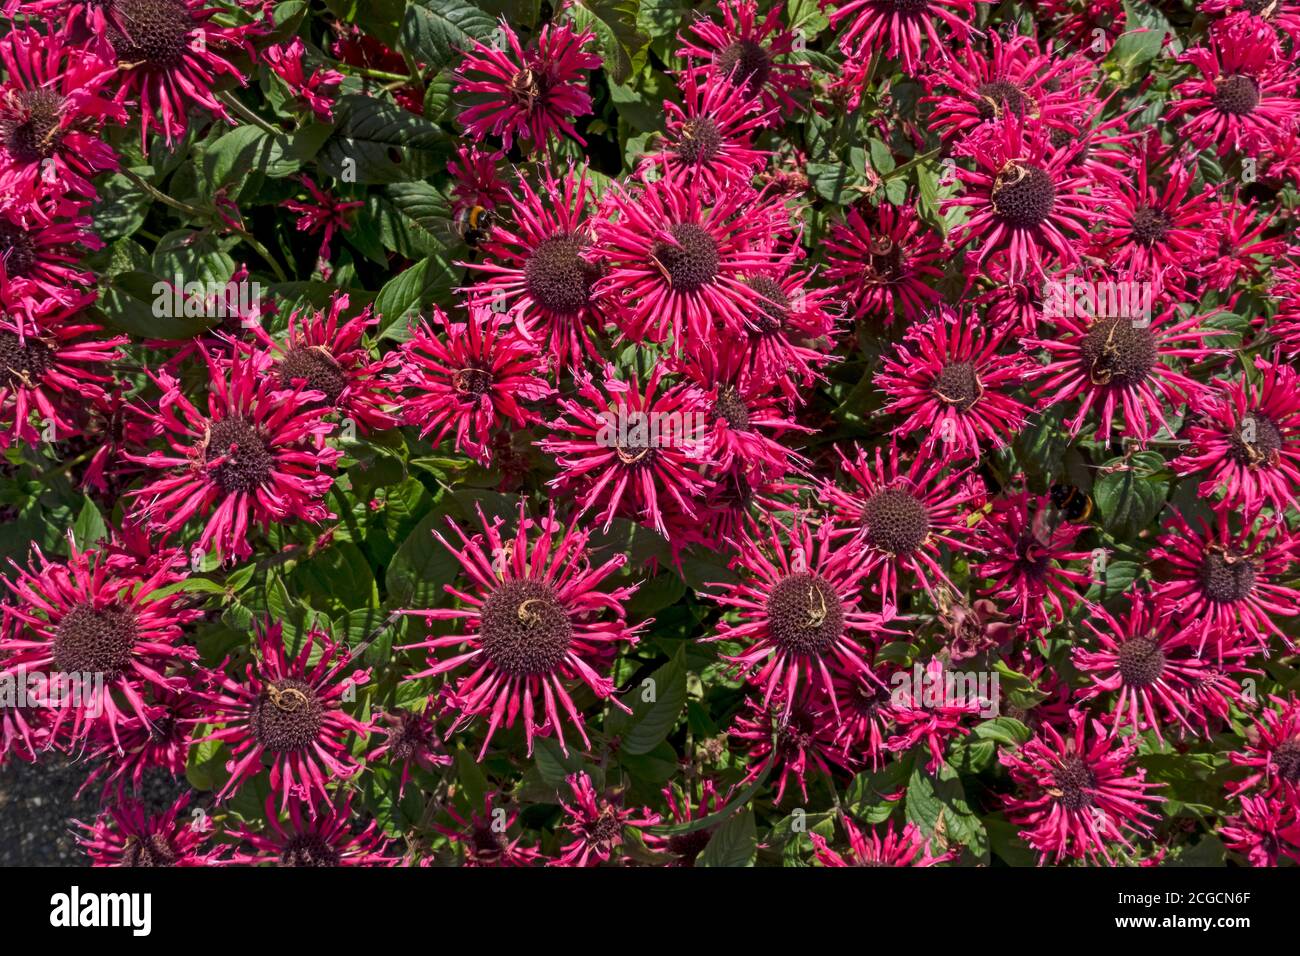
[(576, 441)]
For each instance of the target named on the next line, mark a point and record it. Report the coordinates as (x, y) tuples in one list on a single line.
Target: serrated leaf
[(735, 843), (438, 31)]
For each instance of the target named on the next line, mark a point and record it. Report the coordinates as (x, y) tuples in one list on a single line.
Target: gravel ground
[(36, 805)]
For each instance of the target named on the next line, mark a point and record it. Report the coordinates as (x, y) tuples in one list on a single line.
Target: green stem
[(225, 96)]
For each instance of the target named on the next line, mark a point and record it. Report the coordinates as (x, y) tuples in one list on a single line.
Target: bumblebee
[(474, 224), (1073, 503)]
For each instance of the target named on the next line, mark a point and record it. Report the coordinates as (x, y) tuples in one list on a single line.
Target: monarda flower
[(1115, 365), (598, 824), (50, 106), (40, 245), (711, 135), (1236, 249), (798, 619), (530, 93), (462, 378), (410, 740), (1264, 832), (750, 54), (1014, 79), (631, 449), (910, 847), (536, 621), (51, 367), (796, 743), (288, 710), (160, 741), (541, 267), (476, 182), (322, 352), (256, 456), (315, 91), (330, 835), (954, 386), (1223, 581), (1244, 96), (1026, 205), (684, 848), (897, 28), (1245, 440), (1272, 751), (1153, 228), (84, 621), (1078, 794), (1026, 547), (902, 516), (883, 261), (1155, 671), (126, 834), (169, 54), (485, 837), (324, 215), (678, 260), (930, 707)]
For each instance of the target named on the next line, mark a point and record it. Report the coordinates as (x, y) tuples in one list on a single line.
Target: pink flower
[(527, 93), (467, 376), (127, 835), (315, 91), (883, 261), (909, 848), (597, 823), (323, 215), (1077, 793), (898, 29), (257, 455), (329, 835), (536, 620), (288, 708)]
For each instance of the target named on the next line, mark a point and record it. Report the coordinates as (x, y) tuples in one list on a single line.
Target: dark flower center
[(246, 460), (1255, 441), (690, 260), (745, 61), (308, 849), (997, 95), (17, 249), (896, 521), (314, 365), (25, 361), (1075, 779), (472, 381), (1150, 225), (773, 304), (608, 828), (524, 629), (687, 846), (557, 276), (1236, 94), (34, 133), (1117, 352), (884, 261), (958, 384), (527, 86), (151, 850), (911, 6), (730, 406), (1141, 662), (804, 614), (699, 141), (95, 640), (1286, 758), (288, 716), (488, 843), (1023, 195), (155, 32), (1226, 577)]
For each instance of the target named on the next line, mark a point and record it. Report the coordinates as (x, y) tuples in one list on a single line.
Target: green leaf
[(735, 843), (90, 527), (410, 292), (376, 141), (248, 149), (438, 31), (1003, 730), (139, 304), (938, 806), (618, 36), (651, 720), (421, 567), (1126, 498)]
